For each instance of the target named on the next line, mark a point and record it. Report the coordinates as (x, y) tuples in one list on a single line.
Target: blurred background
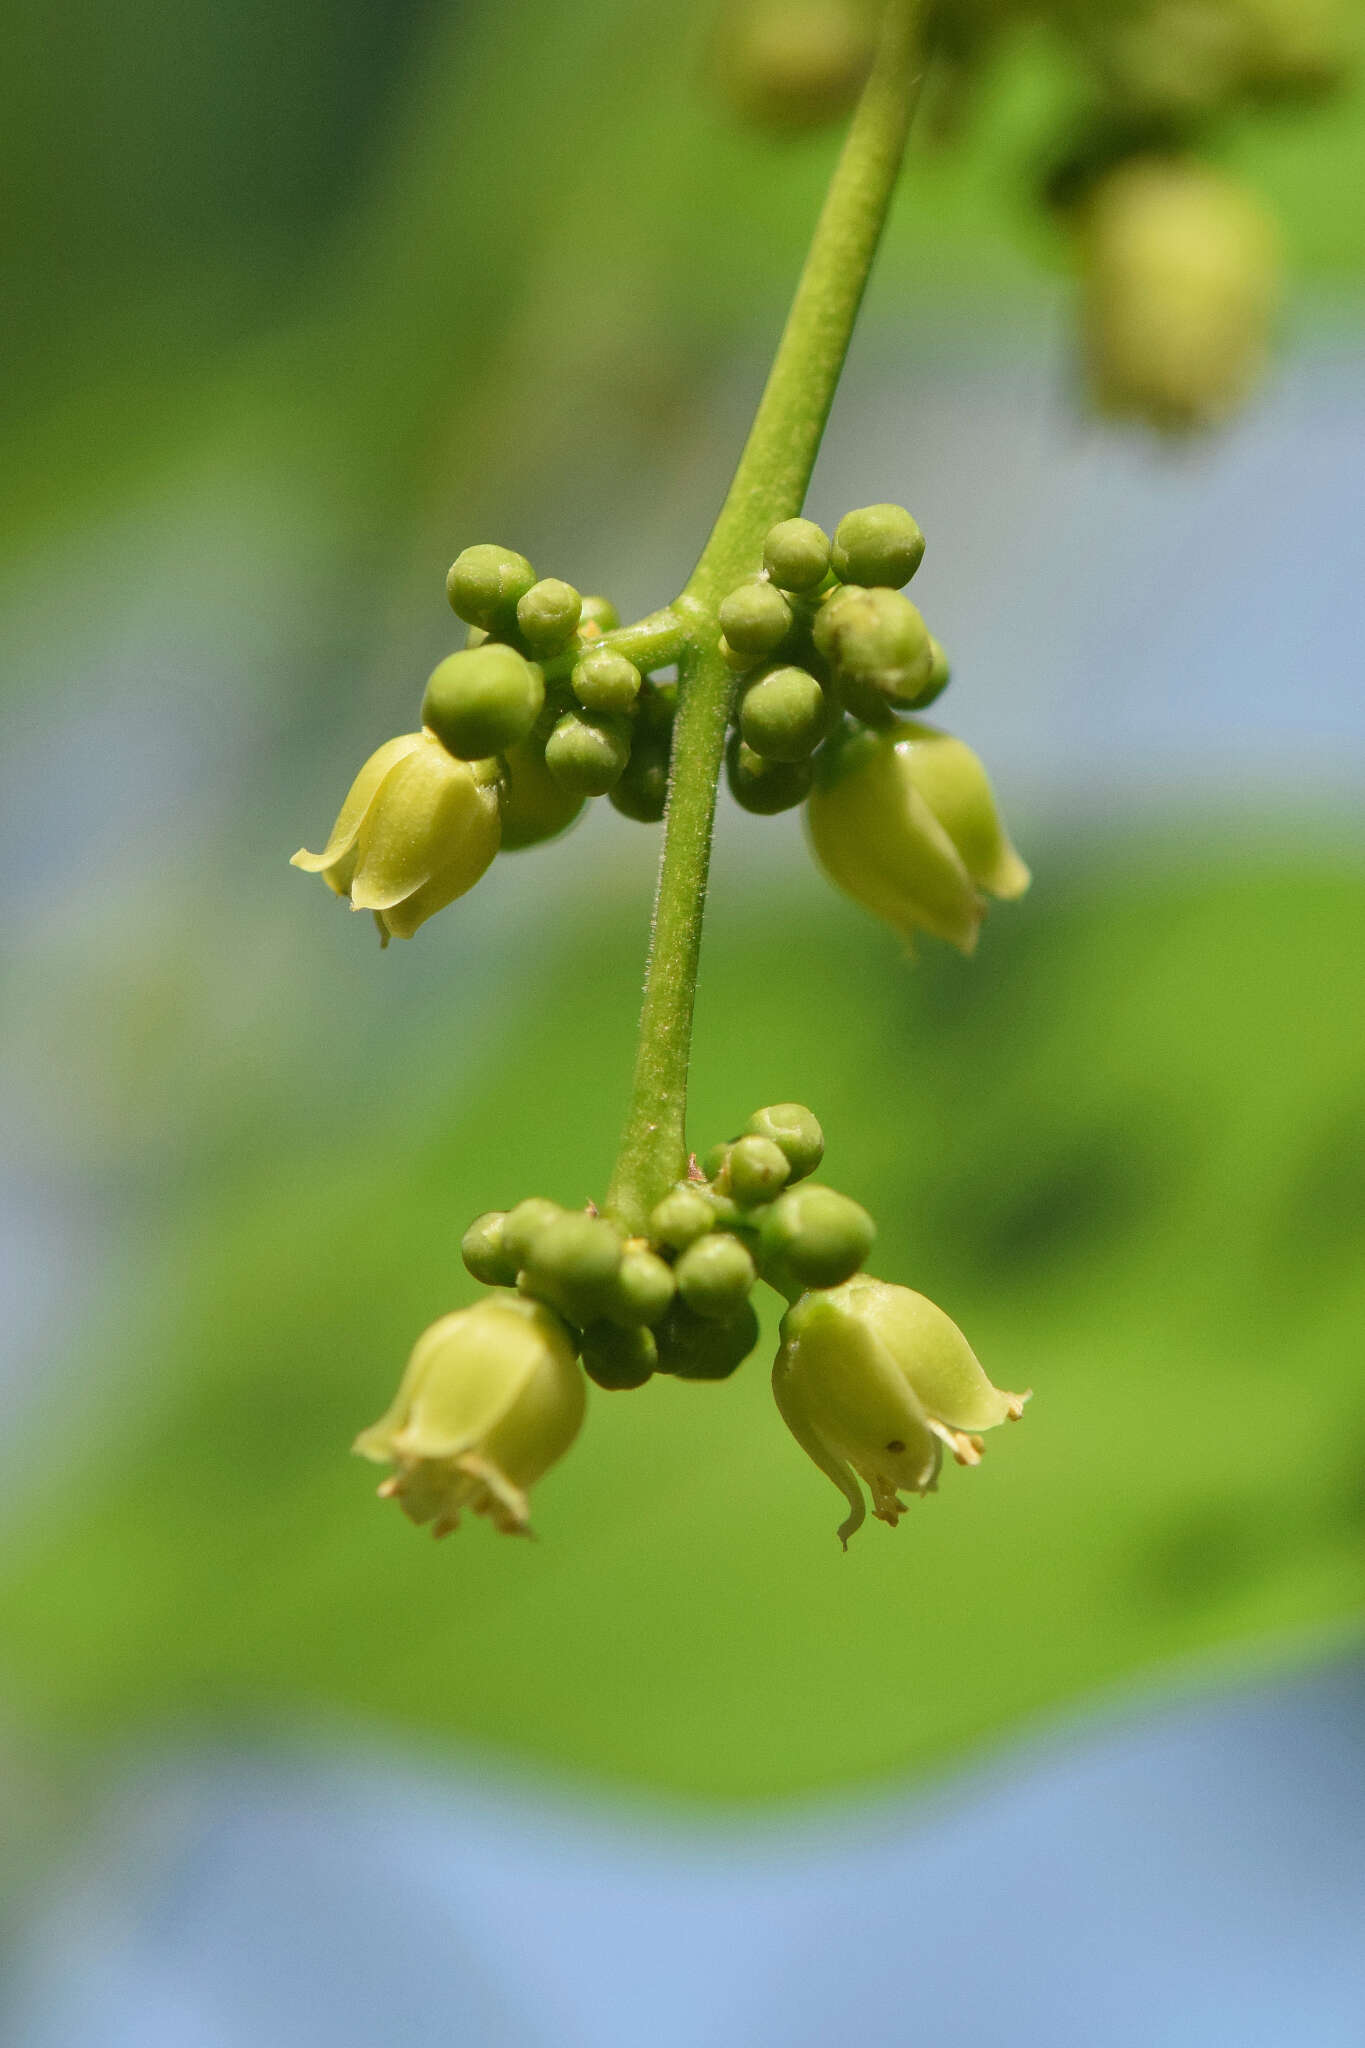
[(305, 301)]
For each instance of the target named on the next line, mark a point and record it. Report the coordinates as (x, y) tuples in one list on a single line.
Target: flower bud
[(535, 805), (755, 619), (784, 715), (642, 792), (490, 1398), (484, 1253), (792, 64), (618, 1358), (572, 1263), (485, 584), (417, 829), (875, 639), (644, 1287), (756, 1169), (681, 1218), (482, 700), (816, 1235), (522, 1226), (764, 787), (714, 1276), (796, 554), (873, 1381), (795, 1130), (605, 681), (880, 544), (1181, 279), (586, 753), (599, 616), (905, 822), (548, 615), (694, 1347)]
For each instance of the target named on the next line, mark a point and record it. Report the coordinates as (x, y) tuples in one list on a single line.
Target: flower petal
[(358, 800)]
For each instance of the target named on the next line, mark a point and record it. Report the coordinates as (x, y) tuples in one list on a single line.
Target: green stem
[(770, 484)]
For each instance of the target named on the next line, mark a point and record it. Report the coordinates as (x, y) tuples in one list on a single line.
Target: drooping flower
[(874, 1382), (491, 1396), (417, 829)]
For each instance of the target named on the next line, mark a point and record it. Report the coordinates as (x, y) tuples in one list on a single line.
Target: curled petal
[(359, 797)]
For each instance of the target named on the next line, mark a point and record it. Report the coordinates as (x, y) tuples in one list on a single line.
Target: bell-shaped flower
[(417, 829), (491, 1396), (903, 819), (874, 1383)]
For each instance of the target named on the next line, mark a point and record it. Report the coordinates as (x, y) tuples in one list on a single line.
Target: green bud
[(642, 792), (764, 787), (603, 681), (681, 1218), (587, 753), (714, 1275), (792, 64), (694, 1347), (484, 1253), (572, 1263), (880, 544), (876, 638), (714, 1161), (548, 615), (784, 715), (522, 1226), (792, 1127), (940, 675), (736, 662), (796, 554), (817, 1235), (644, 1286), (485, 584), (618, 1358), (658, 706), (482, 700), (535, 807), (756, 1171), (599, 616), (755, 619)]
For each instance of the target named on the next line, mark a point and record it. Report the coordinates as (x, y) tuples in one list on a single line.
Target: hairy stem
[(769, 484)]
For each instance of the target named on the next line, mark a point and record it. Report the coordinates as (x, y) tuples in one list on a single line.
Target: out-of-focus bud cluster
[(535, 714), (830, 654)]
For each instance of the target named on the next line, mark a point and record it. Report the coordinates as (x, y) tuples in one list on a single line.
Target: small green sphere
[(758, 1170), (603, 681), (875, 639), (793, 1128), (548, 615), (681, 1218), (586, 753), (713, 1161), (599, 616), (658, 705), (940, 675), (715, 1274), (484, 1253), (642, 791), (644, 1287), (694, 1347), (521, 1226), (880, 544), (818, 1235), (796, 554), (755, 619), (618, 1358), (784, 715), (572, 1264), (485, 584), (482, 700), (764, 787), (534, 806)]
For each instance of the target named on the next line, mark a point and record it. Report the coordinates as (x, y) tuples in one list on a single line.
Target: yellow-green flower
[(874, 1382), (417, 829), (491, 1396)]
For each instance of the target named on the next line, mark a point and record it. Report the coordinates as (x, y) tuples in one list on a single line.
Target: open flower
[(417, 829), (491, 1396), (902, 818), (874, 1381)]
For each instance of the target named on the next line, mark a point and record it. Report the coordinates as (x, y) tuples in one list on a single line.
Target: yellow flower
[(902, 818), (417, 829), (491, 1396), (874, 1381)]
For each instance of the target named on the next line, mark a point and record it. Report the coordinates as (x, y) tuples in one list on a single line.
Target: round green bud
[(819, 1236), (784, 715), (881, 544), (792, 1127), (681, 1218), (715, 1274), (714, 1161), (736, 662), (764, 787), (586, 753), (758, 1170), (534, 806), (642, 791), (875, 639), (485, 584), (521, 1226), (548, 615), (755, 619), (940, 675), (603, 681), (482, 700), (572, 1264), (694, 1347), (484, 1253), (599, 616), (658, 706), (618, 1358), (796, 554), (644, 1287)]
